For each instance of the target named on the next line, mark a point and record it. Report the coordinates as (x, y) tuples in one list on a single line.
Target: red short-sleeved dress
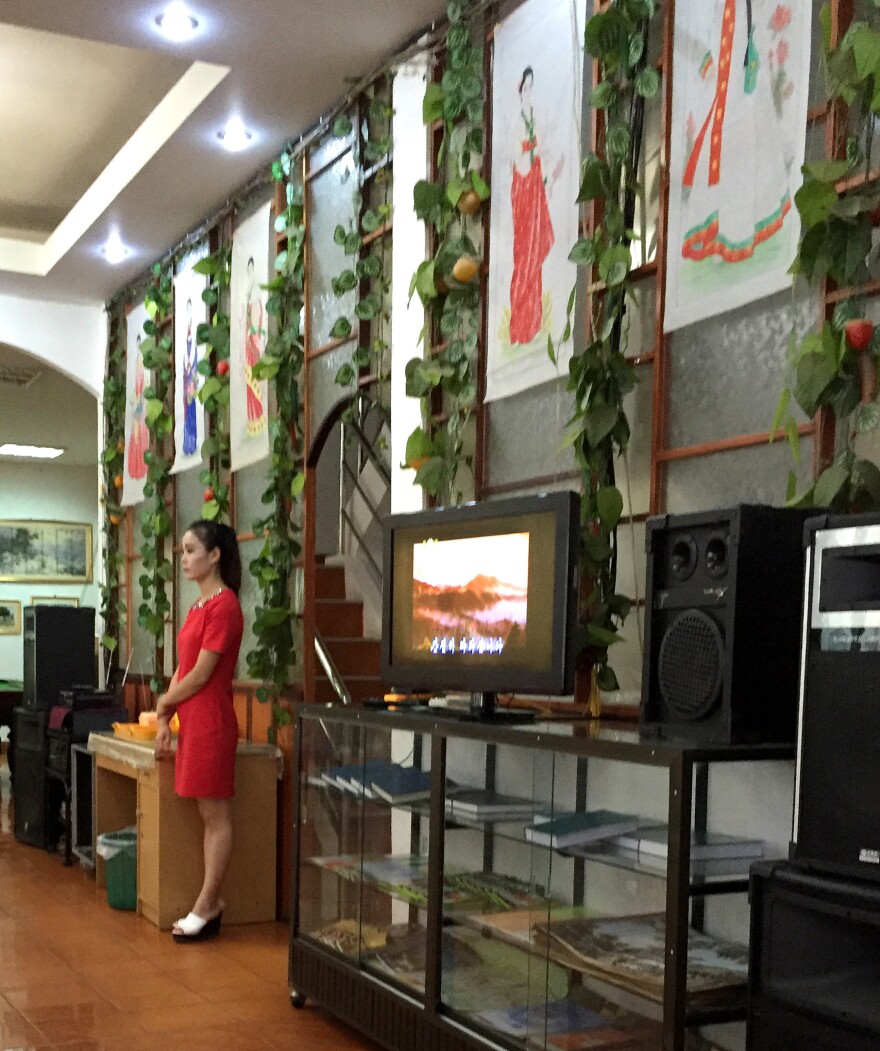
[(205, 762)]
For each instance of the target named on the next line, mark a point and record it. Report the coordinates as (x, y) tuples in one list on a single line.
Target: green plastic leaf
[(341, 328), (606, 680), (867, 418), (297, 484), (781, 408), (432, 104), (614, 265), (342, 126), (154, 410), (829, 484), (814, 201), (603, 95), (609, 503), (583, 253), (481, 187), (647, 82)]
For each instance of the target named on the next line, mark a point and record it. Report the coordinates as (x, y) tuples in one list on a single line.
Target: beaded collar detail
[(202, 602)]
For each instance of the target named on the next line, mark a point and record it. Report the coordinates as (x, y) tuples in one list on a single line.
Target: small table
[(133, 788)]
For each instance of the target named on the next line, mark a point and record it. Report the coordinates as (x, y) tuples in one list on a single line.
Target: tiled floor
[(79, 976)]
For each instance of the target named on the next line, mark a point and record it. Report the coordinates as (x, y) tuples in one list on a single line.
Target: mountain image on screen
[(470, 596)]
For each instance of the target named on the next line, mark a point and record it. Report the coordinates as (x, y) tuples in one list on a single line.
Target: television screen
[(482, 597)]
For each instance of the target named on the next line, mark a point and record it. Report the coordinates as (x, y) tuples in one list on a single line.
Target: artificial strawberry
[(859, 333)]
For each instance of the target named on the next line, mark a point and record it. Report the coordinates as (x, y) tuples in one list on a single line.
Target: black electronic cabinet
[(59, 652), (36, 820), (814, 970)]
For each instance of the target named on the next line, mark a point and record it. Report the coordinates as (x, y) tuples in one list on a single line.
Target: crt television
[(482, 598)]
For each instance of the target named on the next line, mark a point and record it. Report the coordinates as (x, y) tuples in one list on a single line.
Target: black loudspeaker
[(59, 652), (30, 822), (837, 806), (722, 625), (814, 962)]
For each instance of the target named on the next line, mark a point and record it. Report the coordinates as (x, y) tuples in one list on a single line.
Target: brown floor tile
[(76, 975)]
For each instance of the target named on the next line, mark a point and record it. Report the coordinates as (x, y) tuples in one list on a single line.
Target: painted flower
[(782, 52), (780, 18)]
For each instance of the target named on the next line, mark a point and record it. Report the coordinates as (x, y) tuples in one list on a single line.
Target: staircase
[(340, 623)]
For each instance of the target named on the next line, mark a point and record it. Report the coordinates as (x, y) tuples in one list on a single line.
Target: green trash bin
[(119, 851)]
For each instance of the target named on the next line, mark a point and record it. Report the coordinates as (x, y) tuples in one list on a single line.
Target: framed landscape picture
[(10, 617), (45, 552), (54, 600)]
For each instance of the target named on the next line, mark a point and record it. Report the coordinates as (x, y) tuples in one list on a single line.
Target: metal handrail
[(332, 672)]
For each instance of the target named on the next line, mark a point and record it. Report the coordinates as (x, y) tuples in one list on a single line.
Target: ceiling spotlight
[(176, 23), (235, 136), (113, 250)]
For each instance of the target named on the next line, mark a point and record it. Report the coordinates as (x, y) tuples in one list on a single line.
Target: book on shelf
[(535, 1019), (653, 842), (402, 784), (480, 803), (361, 779), (588, 826), (499, 891), (630, 951)]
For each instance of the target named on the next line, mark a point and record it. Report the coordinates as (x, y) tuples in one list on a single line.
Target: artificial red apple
[(222, 367), (208, 494), (859, 333)]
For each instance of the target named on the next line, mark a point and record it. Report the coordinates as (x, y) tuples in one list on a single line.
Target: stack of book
[(569, 830), (650, 846), (482, 804)]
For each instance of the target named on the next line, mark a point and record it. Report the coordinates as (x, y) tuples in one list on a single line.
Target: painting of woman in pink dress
[(139, 438), (190, 385), (532, 226), (254, 344)]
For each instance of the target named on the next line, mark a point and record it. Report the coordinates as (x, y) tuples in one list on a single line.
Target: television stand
[(484, 709)]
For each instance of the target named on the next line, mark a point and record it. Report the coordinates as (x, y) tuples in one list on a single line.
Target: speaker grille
[(690, 664)]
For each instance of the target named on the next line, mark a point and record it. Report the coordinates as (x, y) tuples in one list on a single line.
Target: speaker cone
[(683, 557), (717, 557), (690, 665)]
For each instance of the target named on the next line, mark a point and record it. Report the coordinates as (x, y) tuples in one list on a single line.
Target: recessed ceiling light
[(113, 250), (30, 452), (235, 136), (176, 23)]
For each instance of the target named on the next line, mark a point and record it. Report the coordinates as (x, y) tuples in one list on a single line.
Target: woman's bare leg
[(217, 818)]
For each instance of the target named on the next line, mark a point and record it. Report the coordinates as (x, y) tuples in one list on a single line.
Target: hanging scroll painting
[(536, 112), (190, 311), (739, 109), (137, 437), (248, 396)]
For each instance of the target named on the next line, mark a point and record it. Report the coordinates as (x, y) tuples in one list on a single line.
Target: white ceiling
[(80, 81)]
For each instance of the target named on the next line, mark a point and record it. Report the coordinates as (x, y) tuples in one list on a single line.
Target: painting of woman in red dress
[(254, 344), (532, 227), (139, 437)]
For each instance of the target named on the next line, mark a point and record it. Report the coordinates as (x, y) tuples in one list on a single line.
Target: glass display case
[(463, 884)]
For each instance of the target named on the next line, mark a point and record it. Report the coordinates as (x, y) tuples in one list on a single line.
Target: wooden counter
[(133, 788)]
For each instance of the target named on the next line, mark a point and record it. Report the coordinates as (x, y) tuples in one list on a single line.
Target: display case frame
[(396, 1019)]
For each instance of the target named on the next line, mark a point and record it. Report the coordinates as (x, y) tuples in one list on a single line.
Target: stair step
[(329, 582), (355, 656), (339, 618), (358, 687)]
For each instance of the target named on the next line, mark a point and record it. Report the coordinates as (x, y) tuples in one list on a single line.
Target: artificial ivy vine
[(282, 362), (214, 392), (600, 377), (156, 524), (448, 282), (836, 369), (112, 607), (371, 269)]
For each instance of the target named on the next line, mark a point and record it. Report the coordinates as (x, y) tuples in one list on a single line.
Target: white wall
[(70, 337), (38, 491), (407, 319)]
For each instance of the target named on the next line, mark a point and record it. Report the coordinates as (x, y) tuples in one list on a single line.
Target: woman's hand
[(162, 746)]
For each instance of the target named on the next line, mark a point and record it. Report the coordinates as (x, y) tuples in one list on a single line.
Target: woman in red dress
[(532, 226), (201, 694)]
